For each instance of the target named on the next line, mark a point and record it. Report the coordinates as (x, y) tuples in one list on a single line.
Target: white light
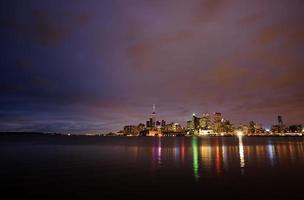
[(240, 133), (241, 152), (267, 129)]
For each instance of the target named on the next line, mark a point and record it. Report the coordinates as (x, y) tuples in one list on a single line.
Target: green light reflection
[(195, 158)]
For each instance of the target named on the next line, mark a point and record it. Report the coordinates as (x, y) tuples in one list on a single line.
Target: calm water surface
[(78, 167)]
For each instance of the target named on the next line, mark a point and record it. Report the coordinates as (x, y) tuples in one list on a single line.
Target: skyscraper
[(280, 120), (195, 121), (280, 123), (217, 122), (153, 116), (163, 123), (205, 122)]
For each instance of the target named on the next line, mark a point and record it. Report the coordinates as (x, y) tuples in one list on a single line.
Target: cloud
[(251, 19), (84, 19), (290, 34), (46, 31), (209, 10), (142, 52), (46, 27)]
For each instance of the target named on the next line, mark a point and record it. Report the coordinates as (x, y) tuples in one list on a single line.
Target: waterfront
[(53, 167)]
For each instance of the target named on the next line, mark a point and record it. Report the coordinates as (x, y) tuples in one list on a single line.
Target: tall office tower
[(205, 122), (163, 123), (140, 127), (153, 116), (280, 123), (217, 117), (190, 125), (217, 122), (195, 121), (151, 122)]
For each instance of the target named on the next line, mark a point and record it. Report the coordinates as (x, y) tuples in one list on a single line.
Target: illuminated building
[(201, 126), (217, 117), (190, 125), (217, 122), (226, 127), (151, 122), (205, 125), (275, 129), (241, 130), (172, 129), (205, 122), (251, 127), (195, 121), (153, 127), (131, 130), (163, 123), (153, 117), (152, 132), (148, 124), (278, 128), (193, 125), (295, 128), (280, 122), (141, 127), (258, 128), (202, 132)]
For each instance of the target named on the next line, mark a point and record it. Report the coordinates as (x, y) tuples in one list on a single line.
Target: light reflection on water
[(195, 158), (215, 156), (271, 153), (199, 157), (204, 165), (241, 152), (157, 152), (225, 157)]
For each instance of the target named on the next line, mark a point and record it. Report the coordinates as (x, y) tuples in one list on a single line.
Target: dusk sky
[(76, 65)]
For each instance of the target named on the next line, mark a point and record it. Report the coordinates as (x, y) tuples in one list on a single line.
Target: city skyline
[(205, 124), (76, 66)]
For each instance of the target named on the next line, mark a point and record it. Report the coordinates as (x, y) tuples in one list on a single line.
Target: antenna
[(153, 111)]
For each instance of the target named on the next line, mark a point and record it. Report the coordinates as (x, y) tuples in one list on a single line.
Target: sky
[(81, 66)]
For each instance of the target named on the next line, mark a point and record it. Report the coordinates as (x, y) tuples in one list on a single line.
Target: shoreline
[(105, 135)]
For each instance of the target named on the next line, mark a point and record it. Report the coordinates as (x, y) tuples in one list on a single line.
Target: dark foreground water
[(78, 167)]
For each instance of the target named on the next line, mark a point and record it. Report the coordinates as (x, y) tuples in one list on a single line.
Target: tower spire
[(153, 109)]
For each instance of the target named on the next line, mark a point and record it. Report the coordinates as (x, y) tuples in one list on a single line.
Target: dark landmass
[(30, 133)]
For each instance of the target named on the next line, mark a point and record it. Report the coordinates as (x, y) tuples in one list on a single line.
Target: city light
[(208, 125), (240, 133)]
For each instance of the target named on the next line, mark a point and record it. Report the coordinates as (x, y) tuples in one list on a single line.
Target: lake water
[(79, 167)]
